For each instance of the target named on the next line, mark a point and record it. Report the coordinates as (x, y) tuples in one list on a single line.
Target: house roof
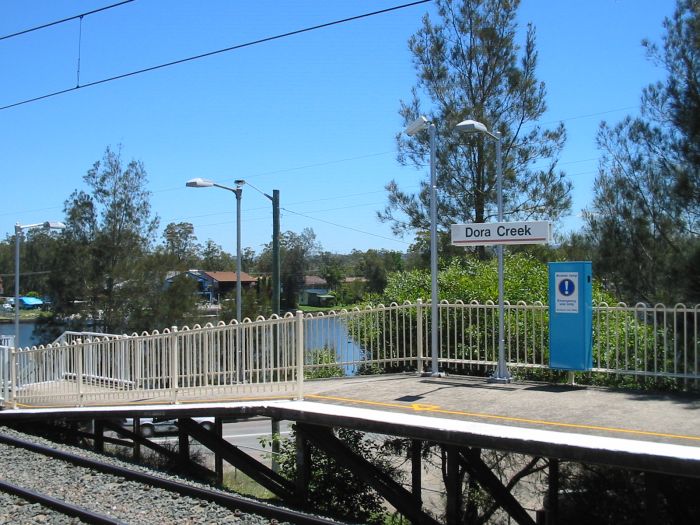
[(314, 280), (355, 280), (230, 277)]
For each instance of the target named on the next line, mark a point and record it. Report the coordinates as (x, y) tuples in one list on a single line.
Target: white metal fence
[(227, 361), (271, 356)]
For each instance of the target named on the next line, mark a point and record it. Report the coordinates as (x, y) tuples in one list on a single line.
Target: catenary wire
[(345, 227), (75, 17), (212, 53)]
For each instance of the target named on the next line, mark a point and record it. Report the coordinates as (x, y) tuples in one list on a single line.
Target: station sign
[(489, 233)]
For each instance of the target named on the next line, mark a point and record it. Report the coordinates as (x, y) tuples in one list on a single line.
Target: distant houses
[(213, 285), (316, 291)]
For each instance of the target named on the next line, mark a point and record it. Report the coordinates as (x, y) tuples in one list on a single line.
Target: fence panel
[(198, 363), (261, 357)]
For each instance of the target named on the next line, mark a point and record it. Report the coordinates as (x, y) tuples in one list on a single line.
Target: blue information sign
[(566, 287), (570, 316)]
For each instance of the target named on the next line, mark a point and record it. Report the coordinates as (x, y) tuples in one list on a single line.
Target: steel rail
[(63, 507), (225, 500)]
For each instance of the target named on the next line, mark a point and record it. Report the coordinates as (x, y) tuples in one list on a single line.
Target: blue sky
[(313, 115)]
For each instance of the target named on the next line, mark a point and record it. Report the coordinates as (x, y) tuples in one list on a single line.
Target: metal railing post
[(138, 365), (13, 378), (78, 349), (300, 354), (174, 363), (419, 329), (5, 374)]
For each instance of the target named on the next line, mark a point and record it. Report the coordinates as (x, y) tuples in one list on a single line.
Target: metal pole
[(18, 236), (239, 192), (276, 252), (502, 375), (433, 259)]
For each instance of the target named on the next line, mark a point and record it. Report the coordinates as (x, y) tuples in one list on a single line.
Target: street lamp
[(48, 225), (414, 128), (206, 183), (275, 199), (470, 127)]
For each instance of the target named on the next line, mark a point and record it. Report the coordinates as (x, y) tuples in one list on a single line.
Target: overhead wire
[(56, 22), (212, 53), (346, 227)]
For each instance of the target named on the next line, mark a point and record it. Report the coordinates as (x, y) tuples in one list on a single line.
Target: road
[(245, 434)]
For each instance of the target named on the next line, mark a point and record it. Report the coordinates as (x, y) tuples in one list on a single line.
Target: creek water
[(330, 333), (26, 332)]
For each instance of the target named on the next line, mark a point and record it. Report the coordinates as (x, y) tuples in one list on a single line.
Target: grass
[(238, 482)]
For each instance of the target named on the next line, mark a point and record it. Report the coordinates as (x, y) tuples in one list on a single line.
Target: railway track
[(62, 507), (95, 489)]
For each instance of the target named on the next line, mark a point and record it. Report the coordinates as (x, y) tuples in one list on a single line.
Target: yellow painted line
[(437, 410)]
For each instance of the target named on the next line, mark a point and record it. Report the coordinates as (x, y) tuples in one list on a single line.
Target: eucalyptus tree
[(109, 231)]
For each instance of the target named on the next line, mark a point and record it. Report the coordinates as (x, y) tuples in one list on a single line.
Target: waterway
[(26, 332), (330, 333), (325, 332)]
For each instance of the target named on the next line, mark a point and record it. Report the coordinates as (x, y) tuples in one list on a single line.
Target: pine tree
[(645, 217), (469, 65)]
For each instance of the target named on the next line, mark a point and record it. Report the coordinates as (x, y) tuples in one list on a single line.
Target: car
[(150, 426)]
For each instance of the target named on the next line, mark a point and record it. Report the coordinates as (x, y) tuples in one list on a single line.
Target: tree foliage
[(180, 242), (214, 258), (333, 489), (109, 228), (644, 222), (296, 251), (469, 66), (376, 265), (599, 494), (106, 274)]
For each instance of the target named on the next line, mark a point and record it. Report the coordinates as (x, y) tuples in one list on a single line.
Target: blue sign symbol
[(566, 287)]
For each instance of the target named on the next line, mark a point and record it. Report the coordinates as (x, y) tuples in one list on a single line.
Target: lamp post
[(206, 183), (275, 199), (472, 126), (19, 228), (414, 128)]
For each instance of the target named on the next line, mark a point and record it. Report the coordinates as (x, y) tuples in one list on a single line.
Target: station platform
[(630, 429)]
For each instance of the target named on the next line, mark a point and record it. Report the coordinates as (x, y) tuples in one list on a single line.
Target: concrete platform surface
[(662, 418)]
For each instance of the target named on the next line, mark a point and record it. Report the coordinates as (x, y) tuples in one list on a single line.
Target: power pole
[(276, 252)]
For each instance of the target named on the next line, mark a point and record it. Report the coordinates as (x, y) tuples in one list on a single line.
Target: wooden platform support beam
[(218, 460), (651, 493), (416, 470), (137, 445), (99, 442), (475, 466), (189, 467), (239, 459), (552, 504), (393, 492), (303, 466), (183, 445), (453, 486)]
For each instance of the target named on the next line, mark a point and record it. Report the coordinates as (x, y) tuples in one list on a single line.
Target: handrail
[(273, 355)]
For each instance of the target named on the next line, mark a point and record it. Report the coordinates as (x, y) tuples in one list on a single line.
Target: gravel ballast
[(113, 496)]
